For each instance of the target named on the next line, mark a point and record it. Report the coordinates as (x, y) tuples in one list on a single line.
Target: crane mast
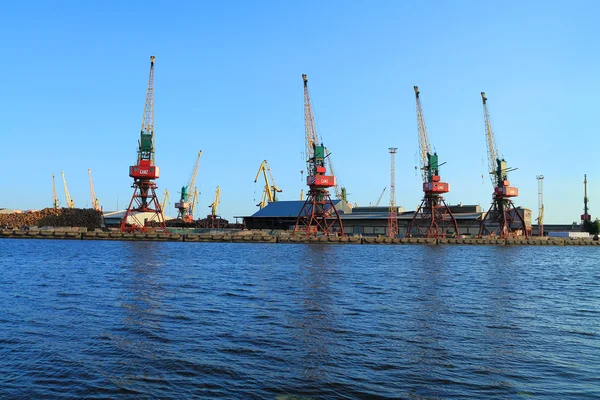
[(433, 218), (502, 219), (318, 214), (185, 205), (144, 209), (55, 201), (270, 191), (540, 219), (95, 202), (70, 201)]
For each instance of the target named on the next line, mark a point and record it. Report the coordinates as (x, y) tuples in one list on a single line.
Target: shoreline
[(261, 237)]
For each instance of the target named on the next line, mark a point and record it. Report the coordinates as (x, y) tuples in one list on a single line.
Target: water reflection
[(138, 336), (317, 312)]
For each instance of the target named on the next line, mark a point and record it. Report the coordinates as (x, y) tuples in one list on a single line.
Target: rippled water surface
[(83, 319)]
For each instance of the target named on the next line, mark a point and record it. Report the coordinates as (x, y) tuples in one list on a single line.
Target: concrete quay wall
[(262, 237)]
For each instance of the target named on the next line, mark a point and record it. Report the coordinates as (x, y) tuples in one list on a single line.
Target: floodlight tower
[(393, 212), (540, 179)]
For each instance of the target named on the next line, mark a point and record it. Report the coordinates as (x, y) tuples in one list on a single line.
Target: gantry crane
[(502, 219), (165, 200), (185, 205), (214, 206), (433, 218), (270, 191), (318, 213), (144, 172), (55, 201), (95, 202), (69, 200)]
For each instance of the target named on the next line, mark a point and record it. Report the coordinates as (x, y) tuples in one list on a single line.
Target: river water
[(96, 319)]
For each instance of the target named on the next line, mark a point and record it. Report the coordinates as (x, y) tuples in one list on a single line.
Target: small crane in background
[(95, 202), (55, 202), (185, 205), (70, 201), (214, 207), (166, 198), (270, 191), (380, 197)]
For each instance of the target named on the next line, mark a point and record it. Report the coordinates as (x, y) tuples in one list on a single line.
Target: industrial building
[(368, 221)]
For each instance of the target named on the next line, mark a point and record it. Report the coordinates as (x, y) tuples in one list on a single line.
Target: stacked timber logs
[(69, 217)]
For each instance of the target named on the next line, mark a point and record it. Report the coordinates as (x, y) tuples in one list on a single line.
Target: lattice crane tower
[(318, 213), (144, 172), (433, 218), (540, 219), (502, 219), (392, 230)]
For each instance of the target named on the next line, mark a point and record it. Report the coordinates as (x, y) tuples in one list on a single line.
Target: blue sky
[(228, 81)]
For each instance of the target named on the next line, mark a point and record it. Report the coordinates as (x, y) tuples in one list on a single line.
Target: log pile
[(63, 217)]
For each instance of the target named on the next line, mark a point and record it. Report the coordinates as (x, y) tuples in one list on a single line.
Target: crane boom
[(192, 183), (95, 202), (55, 201), (309, 128), (424, 146), (70, 202), (380, 197), (166, 197), (492, 147)]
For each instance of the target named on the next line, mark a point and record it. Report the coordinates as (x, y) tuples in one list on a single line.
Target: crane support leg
[(503, 220), (144, 200), (319, 215), (433, 219)]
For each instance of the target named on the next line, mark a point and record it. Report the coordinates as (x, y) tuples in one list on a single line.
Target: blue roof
[(283, 209)]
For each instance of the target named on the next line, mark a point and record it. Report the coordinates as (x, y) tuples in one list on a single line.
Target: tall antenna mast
[(393, 213)]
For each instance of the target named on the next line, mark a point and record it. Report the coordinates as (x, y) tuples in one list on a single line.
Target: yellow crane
[(166, 197), (70, 201), (188, 195), (95, 202), (271, 189), (55, 201), (340, 191), (302, 194), (215, 204)]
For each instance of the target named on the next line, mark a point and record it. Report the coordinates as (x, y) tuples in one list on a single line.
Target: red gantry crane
[(318, 214), (502, 219), (144, 172), (433, 218)]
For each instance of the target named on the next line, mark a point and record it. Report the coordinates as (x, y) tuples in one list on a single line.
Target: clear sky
[(73, 77)]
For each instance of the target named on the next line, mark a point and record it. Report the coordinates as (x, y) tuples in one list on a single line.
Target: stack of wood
[(50, 217)]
